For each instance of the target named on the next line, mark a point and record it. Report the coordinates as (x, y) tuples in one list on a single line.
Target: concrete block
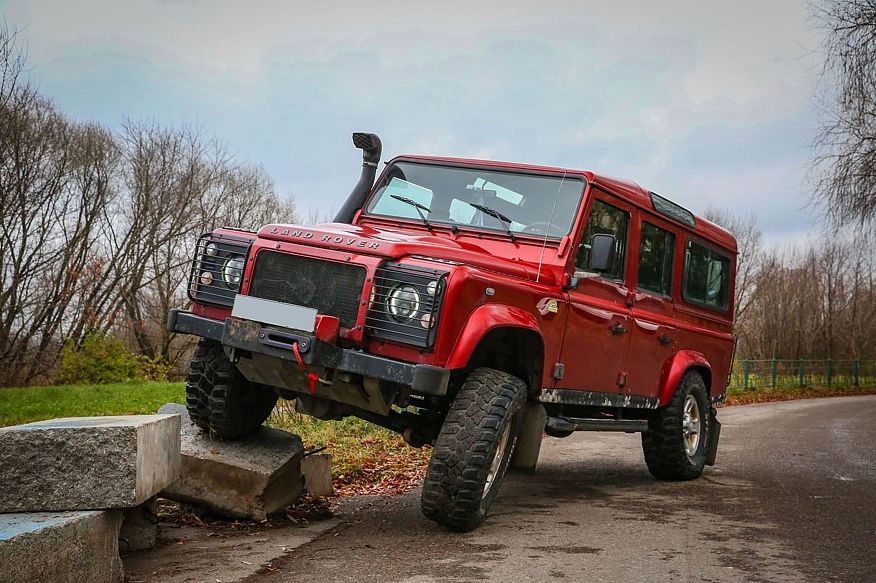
[(241, 479), (525, 458), (317, 470), (87, 463), (60, 547), (139, 527)]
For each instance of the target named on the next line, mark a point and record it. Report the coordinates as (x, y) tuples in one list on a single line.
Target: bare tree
[(802, 303), (98, 228), (846, 184)]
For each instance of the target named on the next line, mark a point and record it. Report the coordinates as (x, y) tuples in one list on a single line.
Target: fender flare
[(480, 322), (675, 368)]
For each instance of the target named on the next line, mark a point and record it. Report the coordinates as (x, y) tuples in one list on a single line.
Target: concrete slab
[(317, 471), (87, 463), (60, 547), (239, 479)]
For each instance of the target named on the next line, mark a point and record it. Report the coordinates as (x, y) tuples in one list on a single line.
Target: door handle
[(664, 339), (619, 329)]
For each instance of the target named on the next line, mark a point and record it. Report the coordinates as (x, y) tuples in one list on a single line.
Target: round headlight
[(403, 302), (232, 271)]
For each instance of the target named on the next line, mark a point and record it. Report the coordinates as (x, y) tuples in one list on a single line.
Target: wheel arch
[(682, 362), (495, 335)]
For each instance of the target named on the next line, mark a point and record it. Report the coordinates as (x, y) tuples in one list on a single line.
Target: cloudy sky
[(709, 103)]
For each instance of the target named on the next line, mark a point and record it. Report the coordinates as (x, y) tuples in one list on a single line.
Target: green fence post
[(857, 372), (745, 366), (829, 371), (773, 372), (802, 372)]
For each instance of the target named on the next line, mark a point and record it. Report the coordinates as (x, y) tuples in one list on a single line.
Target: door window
[(610, 220), (656, 252)]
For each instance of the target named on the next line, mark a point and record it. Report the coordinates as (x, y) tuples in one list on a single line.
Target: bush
[(154, 369), (102, 360)]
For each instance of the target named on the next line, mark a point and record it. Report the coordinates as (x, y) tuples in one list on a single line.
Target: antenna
[(548, 230)]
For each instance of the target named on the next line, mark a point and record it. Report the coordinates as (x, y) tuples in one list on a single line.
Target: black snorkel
[(371, 148)]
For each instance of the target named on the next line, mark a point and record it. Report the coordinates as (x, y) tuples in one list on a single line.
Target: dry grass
[(367, 459)]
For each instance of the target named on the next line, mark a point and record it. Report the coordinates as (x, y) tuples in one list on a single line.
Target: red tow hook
[(312, 378)]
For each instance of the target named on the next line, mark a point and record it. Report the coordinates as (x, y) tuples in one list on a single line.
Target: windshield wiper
[(496, 215), (417, 206)]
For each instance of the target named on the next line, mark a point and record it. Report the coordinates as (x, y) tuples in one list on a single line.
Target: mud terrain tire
[(220, 400), (665, 443), (473, 449)]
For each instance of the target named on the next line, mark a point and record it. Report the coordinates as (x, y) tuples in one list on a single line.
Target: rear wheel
[(220, 400), (473, 449), (678, 435)]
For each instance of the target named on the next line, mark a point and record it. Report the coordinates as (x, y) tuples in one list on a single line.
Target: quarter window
[(605, 219), (706, 277), (656, 252)]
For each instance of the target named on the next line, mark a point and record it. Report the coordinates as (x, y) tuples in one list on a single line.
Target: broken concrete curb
[(87, 463), (241, 479), (60, 547)]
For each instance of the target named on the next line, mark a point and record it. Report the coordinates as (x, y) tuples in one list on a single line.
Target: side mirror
[(602, 251)]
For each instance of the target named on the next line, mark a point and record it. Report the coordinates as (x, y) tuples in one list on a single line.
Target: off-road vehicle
[(452, 298)]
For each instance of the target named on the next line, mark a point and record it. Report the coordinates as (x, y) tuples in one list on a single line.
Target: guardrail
[(785, 373)]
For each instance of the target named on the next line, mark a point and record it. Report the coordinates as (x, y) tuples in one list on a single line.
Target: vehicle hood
[(396, 245)]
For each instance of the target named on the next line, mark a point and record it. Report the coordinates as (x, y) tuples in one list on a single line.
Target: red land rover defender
[(452, 298)]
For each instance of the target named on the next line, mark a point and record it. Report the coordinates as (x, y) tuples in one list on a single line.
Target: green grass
[(26, 404)]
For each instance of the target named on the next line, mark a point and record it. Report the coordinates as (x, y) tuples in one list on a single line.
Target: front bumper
[(277, 342)]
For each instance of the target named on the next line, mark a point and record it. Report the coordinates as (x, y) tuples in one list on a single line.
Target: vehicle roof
[(625, 189)]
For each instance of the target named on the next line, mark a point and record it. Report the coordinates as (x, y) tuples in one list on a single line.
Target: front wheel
[(473, 449), (220, 400), (676, 442)]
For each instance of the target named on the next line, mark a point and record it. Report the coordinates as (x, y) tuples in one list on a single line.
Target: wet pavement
[(793, 498)]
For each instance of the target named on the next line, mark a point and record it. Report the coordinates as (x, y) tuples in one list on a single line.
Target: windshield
[(534, 205)]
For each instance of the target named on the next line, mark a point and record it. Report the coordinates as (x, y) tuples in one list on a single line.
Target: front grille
[(332, 288)]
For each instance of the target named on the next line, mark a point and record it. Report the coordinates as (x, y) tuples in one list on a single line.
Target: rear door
[(598, 320), (653, 337)]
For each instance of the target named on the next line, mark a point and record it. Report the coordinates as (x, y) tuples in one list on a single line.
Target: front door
[(599, 320)]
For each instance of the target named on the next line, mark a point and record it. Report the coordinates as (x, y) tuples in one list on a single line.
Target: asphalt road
[(793, 498)]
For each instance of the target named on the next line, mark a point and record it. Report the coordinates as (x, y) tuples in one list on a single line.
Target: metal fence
[(782, 373)]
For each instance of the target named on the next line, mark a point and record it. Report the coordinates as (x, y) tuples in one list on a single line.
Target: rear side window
[(605, 219), (656, 252), (706, 277)]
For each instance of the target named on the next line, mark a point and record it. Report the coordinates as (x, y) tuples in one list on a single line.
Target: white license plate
[(276, 313)]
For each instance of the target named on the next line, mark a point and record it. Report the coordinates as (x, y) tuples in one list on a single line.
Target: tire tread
[(663, 443), (463, 453), (220, 400)]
